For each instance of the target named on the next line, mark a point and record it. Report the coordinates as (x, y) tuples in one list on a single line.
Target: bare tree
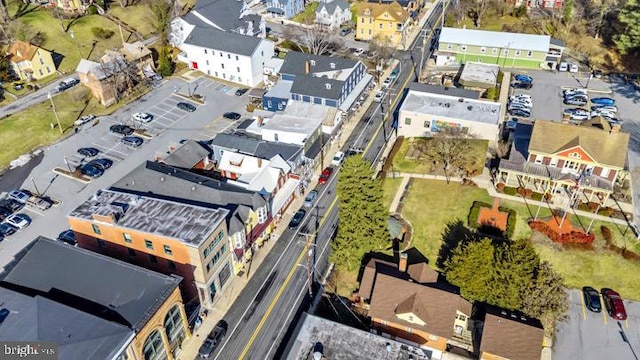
[(448, 149), (499, 150), (314, 40), (162, 11), (383, 46)]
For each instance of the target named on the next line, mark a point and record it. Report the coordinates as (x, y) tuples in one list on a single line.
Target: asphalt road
[(264, 310), (31, 99)]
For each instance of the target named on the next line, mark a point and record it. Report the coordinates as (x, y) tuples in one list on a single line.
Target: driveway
[(587, 335), (170, 126)]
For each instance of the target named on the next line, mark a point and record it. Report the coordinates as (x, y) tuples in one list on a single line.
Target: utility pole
[(309, 247), (73, 36), (36, 187), (53, 106)]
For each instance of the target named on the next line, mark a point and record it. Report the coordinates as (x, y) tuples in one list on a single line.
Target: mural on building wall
[(437, 125)]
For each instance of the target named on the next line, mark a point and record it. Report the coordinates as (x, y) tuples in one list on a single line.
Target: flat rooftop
[(339, 341), (293, 124), (187, 223), (452, 107), (474, 73)]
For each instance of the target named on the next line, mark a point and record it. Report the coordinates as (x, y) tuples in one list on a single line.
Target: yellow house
[(73, 6), (382, 21), (31, 62)]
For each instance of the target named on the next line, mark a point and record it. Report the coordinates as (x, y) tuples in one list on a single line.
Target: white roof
[(495, 39), (241, 164), (85, 66)]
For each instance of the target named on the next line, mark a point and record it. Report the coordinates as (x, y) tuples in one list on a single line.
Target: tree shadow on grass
[(456, 234)]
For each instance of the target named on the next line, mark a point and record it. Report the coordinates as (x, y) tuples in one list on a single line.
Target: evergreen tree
[(363, 216), (471, 268), (628, 38), (546, 296)]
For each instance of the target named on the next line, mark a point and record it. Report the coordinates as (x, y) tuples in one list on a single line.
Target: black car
[(11, 205), (91, 171), (121, 129), (7, 230), (102, 163), (241, 91), (67, 237), (4, 213), (88, 152), (213, 340), (186, 107), (297, 218), (519, 112), (591, 299), (521, 85), (232, 115), (133, 141)]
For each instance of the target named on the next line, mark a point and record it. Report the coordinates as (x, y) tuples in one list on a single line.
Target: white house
[(224, 55), (428, 109), (333, 14)]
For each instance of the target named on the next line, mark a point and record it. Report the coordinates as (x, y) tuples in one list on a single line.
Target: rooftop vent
[(161, 178), (460, 100), (447, 105), (312, 62), (333, 65), (327, 86), (470, 107)]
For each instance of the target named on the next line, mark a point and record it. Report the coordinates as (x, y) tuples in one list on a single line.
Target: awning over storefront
[(284, 194), (351, 98)]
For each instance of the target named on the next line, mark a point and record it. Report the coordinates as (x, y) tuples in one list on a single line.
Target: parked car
[(520, 97), (19, 221), (142, 117), (311, 197), (186, 106), (568, 92), (132, 141), (573, 68), (4, 213), (297, 218), (39, 203), (387, 82), (7, 230), (576, 100), (358, 52), (121, 129), (67, 237), (88, 152), (521, 101), (576, 111), (67, 84), (520, 113), (379, 96), (102, 163), (213, 340), (11, 204), (591, 299), (83, 120), (603, 101), (91, 171), (345, 31), (338, 158), (597, 74), (523, 78), (231, 116), (19, 196), (606, 114), (613, 303), (241, 91), (521, 85), (326, 174), (563, 66), (520, 106)]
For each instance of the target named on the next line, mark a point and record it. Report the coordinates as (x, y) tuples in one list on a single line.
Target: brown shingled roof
[(439, 306), (369, 276), (422, 273), (606, 148), (21, 51), (511, 338)]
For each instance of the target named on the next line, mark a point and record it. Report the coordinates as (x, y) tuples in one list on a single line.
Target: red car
[(613, 303), (326, 174)]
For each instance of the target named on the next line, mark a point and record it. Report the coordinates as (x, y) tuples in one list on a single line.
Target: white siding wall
[(264, 52), (284, 136), (417, 127)]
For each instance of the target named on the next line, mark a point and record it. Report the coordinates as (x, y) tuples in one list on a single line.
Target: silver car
[(311, 197)]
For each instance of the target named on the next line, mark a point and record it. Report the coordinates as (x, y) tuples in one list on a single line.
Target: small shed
[(479, 76)]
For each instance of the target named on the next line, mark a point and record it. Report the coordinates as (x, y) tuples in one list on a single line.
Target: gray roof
[(96, 284), (78, 335), (442, 90), (253, 146), (281, 90), (211, 38), (225, 14), (190, 224), (331, 6), (187, 155), (295, 63), (317, 86)]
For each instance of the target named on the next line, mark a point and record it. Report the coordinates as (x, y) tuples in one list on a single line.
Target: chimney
[(259, 121), (615, 128), (402, 265), (259, 162), (306, 67)]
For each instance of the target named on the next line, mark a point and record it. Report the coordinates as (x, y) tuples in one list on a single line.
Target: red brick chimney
[(307, 67), (402, 264)]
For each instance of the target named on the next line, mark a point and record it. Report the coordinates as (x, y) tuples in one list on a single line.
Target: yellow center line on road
[(399, 94), (284, 285)]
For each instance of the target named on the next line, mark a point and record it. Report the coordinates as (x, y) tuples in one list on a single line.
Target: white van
[(573, 68), (564, 66)]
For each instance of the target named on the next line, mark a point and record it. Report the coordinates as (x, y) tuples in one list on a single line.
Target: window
[(449, 46), (505, 51), (362, 20), (131, 252), (207, 61), (173, 323), (222, 65), (216, 257), (369, 31), (205, 51), (238, 68), (239, 239), (101, 243), (148, 244), (127, 238), (153, 348), (262, 215), (48, 70), (215, 74), (237, 58), (517, 52), (483, 49), (221, 55), (427, 123), (96, 229), (167, 249), (463, 47), (494, 51), (380, 26), (171, 264), (224, 274), (275, 138), (41, 61), (228, 56), (40, 71), (153, 259), (213, 52), (530, 53), (407, 121), (213, 244)]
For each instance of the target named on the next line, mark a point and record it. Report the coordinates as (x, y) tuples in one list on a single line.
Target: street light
[(53, 106)]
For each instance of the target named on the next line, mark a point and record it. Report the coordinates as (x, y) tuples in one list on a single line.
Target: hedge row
[(472, 219), (511, 220)]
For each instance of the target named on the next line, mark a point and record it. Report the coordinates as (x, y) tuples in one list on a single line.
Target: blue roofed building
[(284, 8)]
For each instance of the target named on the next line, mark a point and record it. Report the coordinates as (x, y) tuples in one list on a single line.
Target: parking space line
[(584, 312), (626, 322), (604, 311)]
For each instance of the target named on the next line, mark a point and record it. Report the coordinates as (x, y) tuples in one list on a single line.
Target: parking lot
[(587, 335)]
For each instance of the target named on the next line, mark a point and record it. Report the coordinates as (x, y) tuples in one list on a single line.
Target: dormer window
[(367, 12), (333, 65), (312, 62), (327, 86)]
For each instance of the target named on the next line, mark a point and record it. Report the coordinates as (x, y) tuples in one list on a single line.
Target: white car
[(83, 120), (576, 91), (142, 117), (606, 114), (520, 96), (338, 158), (19, 196), (379, 96), (522, 101), (573, 68), (387, 82), (20, 221)]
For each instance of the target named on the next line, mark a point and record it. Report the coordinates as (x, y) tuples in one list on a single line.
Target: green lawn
[(137, 16), (390, 188), (475, 157), (40, 19), (308, 15), (490, 21)]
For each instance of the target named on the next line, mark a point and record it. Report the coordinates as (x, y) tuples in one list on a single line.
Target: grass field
[(138, 17), (475, 157), (308, 15), (84, 44)]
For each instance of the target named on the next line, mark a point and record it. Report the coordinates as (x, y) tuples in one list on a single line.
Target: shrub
[(510, 190), (584, 207), (593, 207), (472, 219), (605, 211), (536, 196), (491, 93), (574, 237), (92, 10), (101, 33), (511, 220), (606, 233), (500, 187)]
